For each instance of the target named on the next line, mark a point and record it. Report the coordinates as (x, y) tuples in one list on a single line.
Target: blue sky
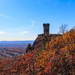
[(23, 19)]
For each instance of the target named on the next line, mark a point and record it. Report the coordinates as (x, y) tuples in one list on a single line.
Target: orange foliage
[(57, 59)]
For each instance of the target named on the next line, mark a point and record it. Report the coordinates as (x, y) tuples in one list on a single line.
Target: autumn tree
[(28, 47), (73, 29), (63, 28), (57, 59)]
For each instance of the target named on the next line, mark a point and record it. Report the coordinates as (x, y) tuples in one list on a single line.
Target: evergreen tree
[(28, 47)]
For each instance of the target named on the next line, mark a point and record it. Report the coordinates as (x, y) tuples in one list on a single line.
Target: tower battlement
[(46, 28), (38, 40)]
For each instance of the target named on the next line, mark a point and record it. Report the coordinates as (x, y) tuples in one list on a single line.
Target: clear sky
[(23, 19)]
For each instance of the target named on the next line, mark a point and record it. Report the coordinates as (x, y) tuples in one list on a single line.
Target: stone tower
[(46, 28)]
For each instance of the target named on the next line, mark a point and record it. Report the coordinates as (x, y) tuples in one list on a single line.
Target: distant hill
[(13, 48), (15, 43)]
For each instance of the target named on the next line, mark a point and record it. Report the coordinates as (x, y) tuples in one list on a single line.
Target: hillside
[(57, 58)]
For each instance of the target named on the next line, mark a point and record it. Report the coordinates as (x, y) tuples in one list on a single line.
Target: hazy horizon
[(16, 40)]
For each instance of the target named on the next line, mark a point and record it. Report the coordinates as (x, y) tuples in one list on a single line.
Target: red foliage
[(57, 59)]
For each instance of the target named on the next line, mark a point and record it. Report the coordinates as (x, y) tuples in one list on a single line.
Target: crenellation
[(46, 28), (38, 40)]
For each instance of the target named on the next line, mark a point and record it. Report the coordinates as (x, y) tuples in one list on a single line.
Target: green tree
[(28, 47)]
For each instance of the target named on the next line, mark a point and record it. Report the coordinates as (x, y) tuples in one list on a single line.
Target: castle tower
[(46, 28)]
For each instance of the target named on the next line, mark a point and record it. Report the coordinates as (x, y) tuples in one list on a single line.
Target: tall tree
[(28, 47)]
